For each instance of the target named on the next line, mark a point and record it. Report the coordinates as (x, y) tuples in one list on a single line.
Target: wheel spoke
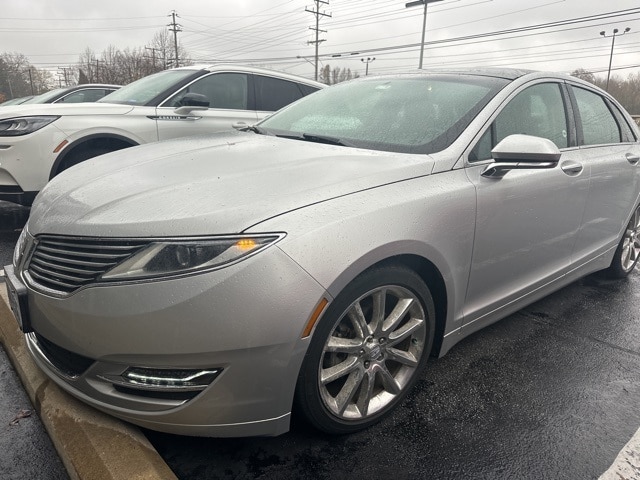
[(405, 331), (398, 313), (348, 390), (402, 356), (359, 322), (379, 305), (366, 392), (388, 381), (344, 345), (328, 375)]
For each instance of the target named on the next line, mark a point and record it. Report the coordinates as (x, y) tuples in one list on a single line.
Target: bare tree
[(337, 75), (19, 79)]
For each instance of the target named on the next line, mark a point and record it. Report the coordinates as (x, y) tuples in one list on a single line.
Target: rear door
[(272, 93), (609, 147)]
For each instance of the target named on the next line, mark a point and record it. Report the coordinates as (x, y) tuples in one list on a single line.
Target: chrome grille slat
[(65, 286), (72, 278), (45, 265), (83, 253), (65, 264), (70, 261)]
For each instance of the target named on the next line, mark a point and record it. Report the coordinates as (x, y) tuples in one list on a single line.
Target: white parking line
[(627, 465)]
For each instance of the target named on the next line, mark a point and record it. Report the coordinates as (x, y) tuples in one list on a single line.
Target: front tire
[(368, 350), (628, 251)]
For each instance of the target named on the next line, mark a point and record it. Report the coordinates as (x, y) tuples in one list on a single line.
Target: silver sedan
[(212, 285)]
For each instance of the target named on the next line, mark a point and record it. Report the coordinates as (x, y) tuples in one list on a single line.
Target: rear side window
[(599, 126), (87, 95), (273, 93)]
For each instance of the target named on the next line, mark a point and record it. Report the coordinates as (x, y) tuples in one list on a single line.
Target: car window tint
[(538, 111), (88, 95), (307, 89), (628, 134), (598, 123), (224, 90), (273, 93)]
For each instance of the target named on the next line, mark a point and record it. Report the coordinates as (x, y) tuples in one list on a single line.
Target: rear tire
[(628, 251), (368, 350)]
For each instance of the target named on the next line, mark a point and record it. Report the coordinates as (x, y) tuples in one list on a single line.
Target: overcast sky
[(276, 33)]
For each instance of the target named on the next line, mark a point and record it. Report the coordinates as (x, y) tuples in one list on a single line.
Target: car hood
[(215, 184), (64, 109)]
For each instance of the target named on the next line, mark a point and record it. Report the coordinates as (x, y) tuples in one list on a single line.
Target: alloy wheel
[(372, 353)]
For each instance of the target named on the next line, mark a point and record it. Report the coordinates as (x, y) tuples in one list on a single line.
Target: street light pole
[(424, 22), (613, 43), (367, 62)]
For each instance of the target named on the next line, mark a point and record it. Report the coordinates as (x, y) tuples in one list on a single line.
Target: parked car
[(40, 141), (15, 101), (90, 92), (209, 285)]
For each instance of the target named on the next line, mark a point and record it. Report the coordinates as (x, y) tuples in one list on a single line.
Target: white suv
[(39, 141)]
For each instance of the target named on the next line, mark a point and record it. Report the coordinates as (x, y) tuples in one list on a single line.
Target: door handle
[(571, 168), (632, 159)]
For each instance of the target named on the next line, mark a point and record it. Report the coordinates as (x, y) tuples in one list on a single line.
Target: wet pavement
[(26, 451), (548, 393)]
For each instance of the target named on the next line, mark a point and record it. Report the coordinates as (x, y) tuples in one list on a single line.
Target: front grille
[(64, 264)]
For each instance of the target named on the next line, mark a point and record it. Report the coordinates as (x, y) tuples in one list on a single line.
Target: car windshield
[(143, 91), (45, 97), (414, 114)]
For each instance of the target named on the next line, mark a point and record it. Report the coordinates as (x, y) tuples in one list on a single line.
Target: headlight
[(14, 127), (20, 244), (168, 258)]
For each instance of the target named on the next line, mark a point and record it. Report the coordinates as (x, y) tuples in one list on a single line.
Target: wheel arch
[(433, 278), (87, 142), (428, 271)]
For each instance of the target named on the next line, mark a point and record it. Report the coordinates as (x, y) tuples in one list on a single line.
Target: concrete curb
[(627, 465), (92, 445)]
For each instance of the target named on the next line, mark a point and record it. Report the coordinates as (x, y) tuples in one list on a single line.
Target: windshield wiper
[(323, 139), (254, 129), (309, 137)]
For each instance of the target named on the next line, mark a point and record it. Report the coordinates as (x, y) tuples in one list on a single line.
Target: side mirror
[(522, 152), (192, 101)]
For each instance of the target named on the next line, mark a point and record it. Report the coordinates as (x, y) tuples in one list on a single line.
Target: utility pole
[(317, 41), (175, 28), (98, 70), (153, 55), (31, 81)]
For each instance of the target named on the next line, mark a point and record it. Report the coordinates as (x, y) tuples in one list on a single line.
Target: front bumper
[(15, 194), (243, 321)]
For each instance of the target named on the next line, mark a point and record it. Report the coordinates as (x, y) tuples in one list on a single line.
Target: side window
[(598, 123), (224, 90), (538, 111), (86, 95), (273, 93)]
